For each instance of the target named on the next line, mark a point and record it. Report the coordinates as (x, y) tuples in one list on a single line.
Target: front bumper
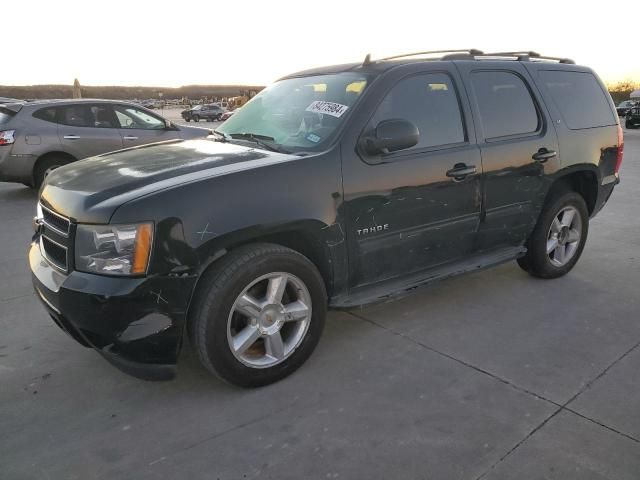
[(137, 324)]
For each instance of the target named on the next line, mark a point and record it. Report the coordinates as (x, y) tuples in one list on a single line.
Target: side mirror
[(390, 136)]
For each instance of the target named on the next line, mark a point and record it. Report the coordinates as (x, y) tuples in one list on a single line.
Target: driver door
[(138, 127), (406, 211)]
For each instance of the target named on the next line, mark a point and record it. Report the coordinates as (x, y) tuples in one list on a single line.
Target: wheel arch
[(303, 237), (47, 155), (583, 179)]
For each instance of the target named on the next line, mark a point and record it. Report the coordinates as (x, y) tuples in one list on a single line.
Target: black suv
[(208, 112), (632, 118), (334, 188)]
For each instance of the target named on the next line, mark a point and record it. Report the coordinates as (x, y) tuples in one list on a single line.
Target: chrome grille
[(54, 238), (54, 253), (54, 221)]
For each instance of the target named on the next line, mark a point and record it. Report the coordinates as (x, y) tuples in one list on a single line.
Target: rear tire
[(246, 335), (45, 166), (559, 237)]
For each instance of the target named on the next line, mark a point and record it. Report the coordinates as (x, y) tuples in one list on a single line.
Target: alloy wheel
[(564, 236), (269, 320)]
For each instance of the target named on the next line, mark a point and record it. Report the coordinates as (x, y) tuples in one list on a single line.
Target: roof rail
[(527, 56), (469, 51)]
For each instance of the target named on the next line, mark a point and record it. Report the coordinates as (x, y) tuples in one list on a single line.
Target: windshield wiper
[(266, 142), (223, 136)]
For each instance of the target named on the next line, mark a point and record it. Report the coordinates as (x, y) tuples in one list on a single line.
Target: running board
[(386, 289)]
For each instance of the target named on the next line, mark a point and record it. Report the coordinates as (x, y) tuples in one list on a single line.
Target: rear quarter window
[(580, 99), (46, 114), (5, 116)]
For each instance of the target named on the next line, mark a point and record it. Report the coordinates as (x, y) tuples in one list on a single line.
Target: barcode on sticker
[(329, 108)]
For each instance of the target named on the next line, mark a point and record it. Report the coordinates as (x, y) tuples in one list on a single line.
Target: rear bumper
[(16, 168), (136, 324)]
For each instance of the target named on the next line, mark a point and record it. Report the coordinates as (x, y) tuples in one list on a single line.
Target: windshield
[(299, 113)]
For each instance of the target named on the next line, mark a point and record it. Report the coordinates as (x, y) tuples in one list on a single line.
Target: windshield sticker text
[(329, 108), (312, 137)]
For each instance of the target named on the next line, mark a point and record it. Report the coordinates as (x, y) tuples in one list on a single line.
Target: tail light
[(7, 137), (620, 149)]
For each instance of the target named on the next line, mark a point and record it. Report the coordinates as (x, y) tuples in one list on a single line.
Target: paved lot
[(494, 375)]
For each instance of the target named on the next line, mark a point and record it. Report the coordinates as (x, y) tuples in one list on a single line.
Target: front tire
[(258, 314), (559, 236), (195, 118)]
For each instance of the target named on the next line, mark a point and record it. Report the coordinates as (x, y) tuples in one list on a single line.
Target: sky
[(169, 44)]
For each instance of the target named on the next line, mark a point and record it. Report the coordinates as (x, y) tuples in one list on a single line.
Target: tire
[(188, 119), (569, 235), (217, 315), (45, 166), (628, 124), (195, 118)]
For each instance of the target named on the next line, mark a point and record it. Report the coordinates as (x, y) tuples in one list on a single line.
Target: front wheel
[(559, 237), (195, 118), (628, 124), (258, 315)]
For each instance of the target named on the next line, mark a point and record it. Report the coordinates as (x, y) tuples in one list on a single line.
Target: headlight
[(114, 249)]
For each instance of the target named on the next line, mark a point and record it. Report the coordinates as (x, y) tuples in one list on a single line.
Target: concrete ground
[(494, 375)]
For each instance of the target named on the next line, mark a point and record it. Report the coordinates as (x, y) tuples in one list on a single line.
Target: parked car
[(37, 137), (152, 104), (226, 115), (625, 106), (632, 119), (335, 188), (207, 112)]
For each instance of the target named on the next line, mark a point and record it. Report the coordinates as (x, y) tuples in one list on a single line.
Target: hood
[(91, 190)]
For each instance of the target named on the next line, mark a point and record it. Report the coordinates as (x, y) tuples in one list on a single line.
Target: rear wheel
[(45, 166), (258, 315), (559, 237)]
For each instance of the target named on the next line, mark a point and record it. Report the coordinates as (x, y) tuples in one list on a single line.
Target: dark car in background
[(337, 187), (632, 118), (625, 106), (209, 112), (39, 136)]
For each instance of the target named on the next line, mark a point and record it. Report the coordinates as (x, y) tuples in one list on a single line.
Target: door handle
[(71, 137), (130, 138), (543, 155), (460, 171)]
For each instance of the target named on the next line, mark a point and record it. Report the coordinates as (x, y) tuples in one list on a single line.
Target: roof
[(378, 66)]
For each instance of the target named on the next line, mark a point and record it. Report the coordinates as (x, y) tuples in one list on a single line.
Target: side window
[(431, 103), (505, 104), (101, 116), (46, 114), (130, 117), (74, 115), (579, 97)]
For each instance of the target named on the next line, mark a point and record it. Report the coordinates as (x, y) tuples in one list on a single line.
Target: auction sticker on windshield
[(329, 108)]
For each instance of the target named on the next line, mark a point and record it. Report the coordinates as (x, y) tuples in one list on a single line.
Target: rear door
[(140, 127), (87, 129), (519, 150)]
